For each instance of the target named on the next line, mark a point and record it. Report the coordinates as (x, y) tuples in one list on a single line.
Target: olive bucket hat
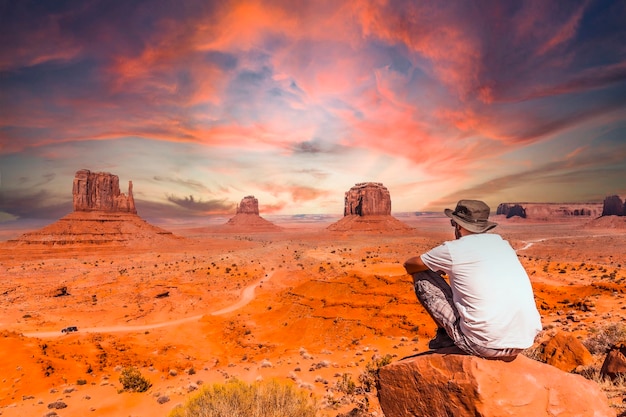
[(472, 215)]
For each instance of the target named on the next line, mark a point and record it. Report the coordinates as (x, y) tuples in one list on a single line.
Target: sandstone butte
[(367, 208), (308, 305), (247, 218), (102, 215)]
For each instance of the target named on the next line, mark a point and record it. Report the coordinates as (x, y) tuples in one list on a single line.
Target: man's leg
[(434, 293)]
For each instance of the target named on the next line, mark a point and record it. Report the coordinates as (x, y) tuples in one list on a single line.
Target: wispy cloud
[(317, 94)]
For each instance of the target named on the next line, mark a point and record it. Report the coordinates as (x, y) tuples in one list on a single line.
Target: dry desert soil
[(303, 304)]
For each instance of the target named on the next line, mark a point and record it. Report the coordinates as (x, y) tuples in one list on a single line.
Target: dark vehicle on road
[(69, 329)]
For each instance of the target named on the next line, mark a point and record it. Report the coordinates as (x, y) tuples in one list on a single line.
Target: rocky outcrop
[(367, 199), (613, 206), (367, 208), (97, 228), (511, 210), (249, 205), (102, 216), (547, 211), (564, 351), (248, 219), (100, 191), (614, 365), (446, 384)]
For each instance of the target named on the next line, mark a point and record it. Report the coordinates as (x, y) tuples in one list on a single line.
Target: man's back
[(490, 288)]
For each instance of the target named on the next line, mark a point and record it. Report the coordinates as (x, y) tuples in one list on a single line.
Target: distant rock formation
[(367, 208), (100, 191), (511, 210), (248, 219), (613, 206), (447, 384), (249, 205), (368, 199), (546, 211), (102, 216), (97, 228)]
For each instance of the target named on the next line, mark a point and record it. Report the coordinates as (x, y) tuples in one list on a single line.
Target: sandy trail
[(247, 295)]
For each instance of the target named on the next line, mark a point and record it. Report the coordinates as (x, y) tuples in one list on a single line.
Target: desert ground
[(303, 304)]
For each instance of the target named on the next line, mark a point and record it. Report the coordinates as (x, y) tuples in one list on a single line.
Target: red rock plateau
[(306, 304), (368, 209)]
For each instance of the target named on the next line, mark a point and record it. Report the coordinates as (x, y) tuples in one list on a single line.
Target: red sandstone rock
[(247, 218), (249, 205), (545, 211), (565, 352), (367, 198), (368, 209), (449, 384), (614, 364), (613, 206), (100, 191)]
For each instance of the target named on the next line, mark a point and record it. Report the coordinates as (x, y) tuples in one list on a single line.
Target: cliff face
[(249, 205), (549, 210), (368, 209), (100, 191), (367, 199), (613, 206)]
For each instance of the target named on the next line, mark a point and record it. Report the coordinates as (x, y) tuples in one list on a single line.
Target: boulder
[(614, 365), (100, 191), (565, 352), (448, 383)]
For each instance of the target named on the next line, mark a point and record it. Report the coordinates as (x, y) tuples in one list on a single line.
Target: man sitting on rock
[(488, 310)]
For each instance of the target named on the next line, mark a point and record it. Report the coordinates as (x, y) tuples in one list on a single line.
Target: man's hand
[(414, 264)]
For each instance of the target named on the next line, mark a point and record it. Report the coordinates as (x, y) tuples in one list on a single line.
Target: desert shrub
[(238, 399), (602, 338), (370, 375), (133, 381), (346, 385)]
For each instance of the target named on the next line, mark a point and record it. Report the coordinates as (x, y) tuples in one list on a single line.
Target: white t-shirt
[(490, 289)]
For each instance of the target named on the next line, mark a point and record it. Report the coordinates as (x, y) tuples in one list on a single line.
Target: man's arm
[(414, 264)]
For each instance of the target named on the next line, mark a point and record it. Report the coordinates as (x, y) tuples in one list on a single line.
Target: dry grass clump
[(602, 338), (238, 399)]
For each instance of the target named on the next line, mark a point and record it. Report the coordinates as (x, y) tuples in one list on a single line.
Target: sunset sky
[(201, 103)]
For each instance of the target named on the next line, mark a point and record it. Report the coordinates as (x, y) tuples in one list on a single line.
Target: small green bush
[(238, 399), (133, 381)]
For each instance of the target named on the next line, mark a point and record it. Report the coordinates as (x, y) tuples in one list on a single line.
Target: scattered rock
[(447, 383), (57, 405), (163, 399)]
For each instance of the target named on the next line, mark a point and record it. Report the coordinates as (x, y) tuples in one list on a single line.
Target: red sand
[(324, 303)]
